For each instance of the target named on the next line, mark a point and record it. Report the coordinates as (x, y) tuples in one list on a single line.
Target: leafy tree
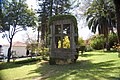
[(48, 8), (43, 18), (32, 46), (101, 15), (16, 18)]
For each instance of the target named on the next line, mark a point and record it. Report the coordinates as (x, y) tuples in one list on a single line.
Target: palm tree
[(99, 16), (117, 8)]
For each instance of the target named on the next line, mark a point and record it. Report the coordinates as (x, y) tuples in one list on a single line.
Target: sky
[(84, 32)]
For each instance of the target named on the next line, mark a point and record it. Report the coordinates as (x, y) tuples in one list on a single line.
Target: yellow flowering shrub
[(117, 47), (66, 43)]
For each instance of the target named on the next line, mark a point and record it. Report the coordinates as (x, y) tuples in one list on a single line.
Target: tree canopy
[(48, 8), (16, 17)]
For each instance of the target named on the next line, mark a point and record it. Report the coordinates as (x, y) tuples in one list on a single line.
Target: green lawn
[(97, 65)]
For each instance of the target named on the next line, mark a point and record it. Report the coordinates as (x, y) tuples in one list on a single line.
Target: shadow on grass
[(111, 51), (79, 71), (16, 64), (88, 55)]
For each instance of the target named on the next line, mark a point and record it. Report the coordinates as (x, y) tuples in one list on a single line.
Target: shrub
[(97, 42), (66, 43), (112, 39), (81, 42), (44, 52)]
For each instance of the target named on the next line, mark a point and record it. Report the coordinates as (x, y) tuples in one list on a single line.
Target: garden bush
[(81, 42), (44, 52), (66, 42), (112, 39), (97, 42)]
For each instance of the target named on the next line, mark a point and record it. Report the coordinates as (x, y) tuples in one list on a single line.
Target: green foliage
[(37, 49), (17, 14), (48, 8), (81, 42), (100, 14), (97, 65), (17, 17), (44, 52), (97, 42), (112, 39), (32, 46)]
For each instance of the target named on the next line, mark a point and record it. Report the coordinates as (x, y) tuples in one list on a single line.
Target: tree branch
[(18, 30), (7, 37)]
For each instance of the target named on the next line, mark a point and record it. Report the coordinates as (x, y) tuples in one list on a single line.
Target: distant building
[(18, 47)]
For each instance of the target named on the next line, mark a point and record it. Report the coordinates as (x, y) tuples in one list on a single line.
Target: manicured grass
[(96, 65), (18, 69)]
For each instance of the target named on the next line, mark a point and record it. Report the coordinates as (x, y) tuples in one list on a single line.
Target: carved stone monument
[(63, 39)]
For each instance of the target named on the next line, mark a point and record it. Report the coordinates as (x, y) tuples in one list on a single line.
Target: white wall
[(5, 50), (20, 50)]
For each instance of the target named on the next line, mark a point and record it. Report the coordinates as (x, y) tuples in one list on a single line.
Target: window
[(57, 42), (57, 29), (66, 28)]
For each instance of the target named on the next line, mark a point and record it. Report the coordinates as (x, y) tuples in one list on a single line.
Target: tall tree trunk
[(101, 29), (43, 23), (51, 7), (117, 7), (9, 50), (38, 35), (43, 31), (106, 32)]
